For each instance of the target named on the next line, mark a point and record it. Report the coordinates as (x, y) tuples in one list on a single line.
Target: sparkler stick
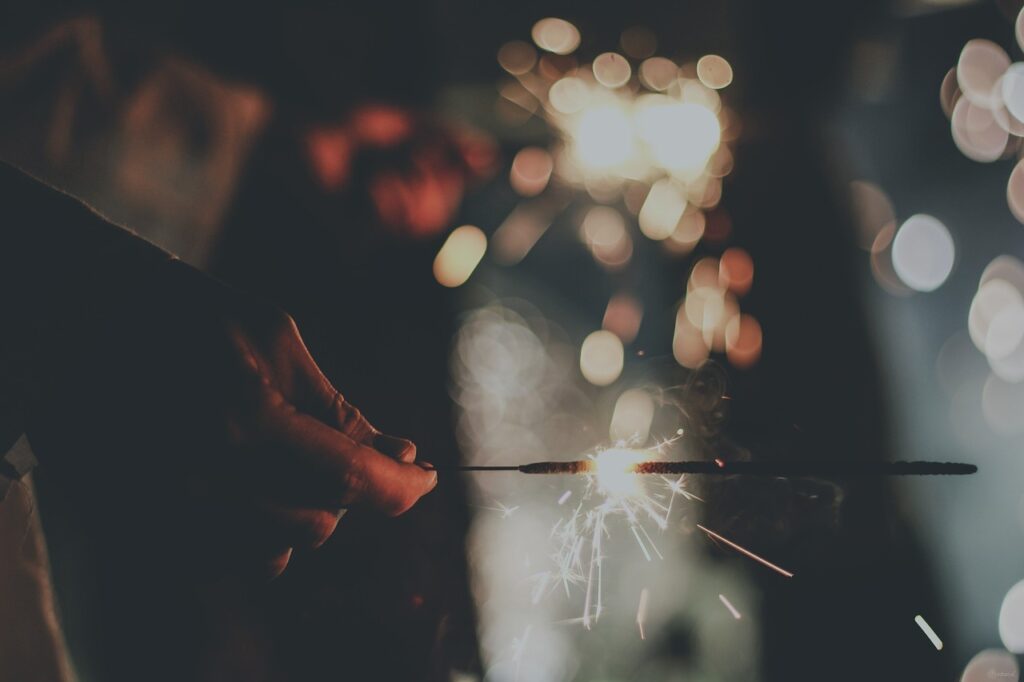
[(778, 468)]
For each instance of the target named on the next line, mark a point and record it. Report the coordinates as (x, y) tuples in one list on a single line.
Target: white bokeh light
[(1011, 619), (923, 253)]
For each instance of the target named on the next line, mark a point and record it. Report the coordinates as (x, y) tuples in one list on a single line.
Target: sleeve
[(58, 258)]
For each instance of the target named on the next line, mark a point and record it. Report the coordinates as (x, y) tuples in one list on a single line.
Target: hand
[(188, 394)]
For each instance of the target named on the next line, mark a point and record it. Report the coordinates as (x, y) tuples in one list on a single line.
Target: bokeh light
[(681, 136), (714, 71), (872, 210), (531, 171), (660, 214), (981, 64), (517, 57), (459, 255), (923, 253), (1011, 94), (603, 137), (556, 35), (658, 73), (976, 133), (614, 471), (1011, 619), (611, 70), (995, 323), (992, 664), (622, 317), (736, 271), (569, 95), (743, 339), (603, 230), (688, 345), (632, 418), (1015, 191), (601, 357), (1002, 404)]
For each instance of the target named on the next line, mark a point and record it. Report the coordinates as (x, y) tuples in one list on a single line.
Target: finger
[(321, 466), (314, 393)]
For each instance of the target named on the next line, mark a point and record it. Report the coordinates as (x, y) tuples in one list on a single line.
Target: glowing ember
[(613, 491), (615, 471)]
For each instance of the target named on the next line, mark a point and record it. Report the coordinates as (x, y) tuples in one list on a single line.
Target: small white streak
[(927, 629), (641, 612), (565, 496), (640, 542), (732, 609)]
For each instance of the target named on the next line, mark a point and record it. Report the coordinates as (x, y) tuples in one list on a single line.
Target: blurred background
[(545, 230)]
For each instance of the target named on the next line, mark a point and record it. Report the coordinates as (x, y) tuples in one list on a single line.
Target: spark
[(641, 612), (746, 552), (502, 509), (519, 647), (581, 536), (732, 609), (927, 629), (565, 496)]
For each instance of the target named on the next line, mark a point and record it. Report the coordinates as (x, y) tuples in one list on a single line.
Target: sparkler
[(778, 468), (616, 489)]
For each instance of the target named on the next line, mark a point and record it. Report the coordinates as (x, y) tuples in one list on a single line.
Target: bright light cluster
[(622, 121), (983, 96), (647, 134)]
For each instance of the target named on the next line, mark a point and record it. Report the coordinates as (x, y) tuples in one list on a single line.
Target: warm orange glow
[(736, 271)]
